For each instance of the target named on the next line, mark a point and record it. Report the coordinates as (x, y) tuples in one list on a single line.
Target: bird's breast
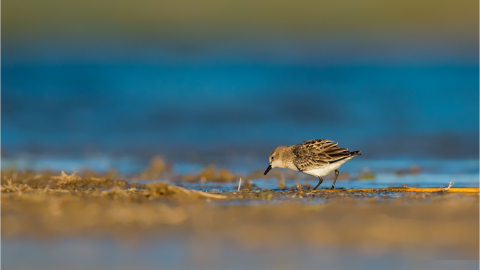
[(322, 171), (319, 172)]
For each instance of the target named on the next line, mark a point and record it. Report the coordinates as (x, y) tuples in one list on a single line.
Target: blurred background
[(197, 93), (211, 81)]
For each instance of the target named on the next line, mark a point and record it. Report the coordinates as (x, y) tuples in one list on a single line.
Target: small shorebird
[(314, 157)]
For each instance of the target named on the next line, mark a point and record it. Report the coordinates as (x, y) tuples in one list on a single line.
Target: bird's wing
[(317, 153)]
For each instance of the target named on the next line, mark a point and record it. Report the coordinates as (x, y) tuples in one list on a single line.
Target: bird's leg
[(335, 180), (319, 182)]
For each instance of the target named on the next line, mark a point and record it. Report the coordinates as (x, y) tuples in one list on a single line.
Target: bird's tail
[(355, 153)]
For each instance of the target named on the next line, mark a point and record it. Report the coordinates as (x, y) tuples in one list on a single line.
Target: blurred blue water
[(190, 110), (380, 181), (191, 253)]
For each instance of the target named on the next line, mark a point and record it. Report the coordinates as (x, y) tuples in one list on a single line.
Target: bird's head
[(276, 158)]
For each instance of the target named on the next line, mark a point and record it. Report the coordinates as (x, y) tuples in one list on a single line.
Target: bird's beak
[(268, 169)]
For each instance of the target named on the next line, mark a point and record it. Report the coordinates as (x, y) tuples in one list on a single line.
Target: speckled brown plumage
[(317, 153)]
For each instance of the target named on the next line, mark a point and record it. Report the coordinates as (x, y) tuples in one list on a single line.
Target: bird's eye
[(272, 158)]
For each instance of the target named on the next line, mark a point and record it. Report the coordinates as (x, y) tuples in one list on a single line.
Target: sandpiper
[(314, 157)]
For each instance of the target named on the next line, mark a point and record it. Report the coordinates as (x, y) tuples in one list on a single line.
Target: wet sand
[(377, 224)]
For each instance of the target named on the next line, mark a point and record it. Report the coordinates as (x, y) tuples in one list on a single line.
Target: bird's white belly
[(322, 171)]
